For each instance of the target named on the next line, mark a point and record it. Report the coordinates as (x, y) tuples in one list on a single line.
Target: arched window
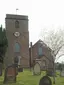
[(17, 47), (16, 24), (40, 51)]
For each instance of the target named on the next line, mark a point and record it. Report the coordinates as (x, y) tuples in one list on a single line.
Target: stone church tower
[(18, 40)]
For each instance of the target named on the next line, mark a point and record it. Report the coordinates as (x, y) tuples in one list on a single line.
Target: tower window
[(17, 47), (16, 24)]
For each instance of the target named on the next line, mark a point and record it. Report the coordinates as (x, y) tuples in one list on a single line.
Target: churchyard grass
[(27, 78)]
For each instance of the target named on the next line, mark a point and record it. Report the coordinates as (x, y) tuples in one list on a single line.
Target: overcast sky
[(43, 14)]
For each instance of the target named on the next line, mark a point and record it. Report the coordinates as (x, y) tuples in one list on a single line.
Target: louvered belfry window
[(16, 24)]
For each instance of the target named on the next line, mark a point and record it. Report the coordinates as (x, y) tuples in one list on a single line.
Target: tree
[(55, 40), (3, 43)]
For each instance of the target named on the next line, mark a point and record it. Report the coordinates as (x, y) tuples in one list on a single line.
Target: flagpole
[(16, 10)]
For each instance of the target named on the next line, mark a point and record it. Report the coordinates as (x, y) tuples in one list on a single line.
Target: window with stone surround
[(17, 47), (40, 51)]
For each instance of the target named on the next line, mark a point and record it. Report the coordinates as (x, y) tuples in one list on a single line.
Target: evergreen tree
[(3, 43)]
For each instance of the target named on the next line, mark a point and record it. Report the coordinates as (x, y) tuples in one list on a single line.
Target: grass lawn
[(26, 78)]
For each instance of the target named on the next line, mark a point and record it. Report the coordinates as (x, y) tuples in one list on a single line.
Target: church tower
[(18, 40)]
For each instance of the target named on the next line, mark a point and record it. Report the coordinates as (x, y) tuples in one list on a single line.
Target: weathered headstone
[(20, 69), (45, 81), (50, 72), (62, 73), (0, 69), (10, 74), (16, 65), (36, 69)]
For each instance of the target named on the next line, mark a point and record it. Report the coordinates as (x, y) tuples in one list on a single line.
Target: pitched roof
[(41, 42)]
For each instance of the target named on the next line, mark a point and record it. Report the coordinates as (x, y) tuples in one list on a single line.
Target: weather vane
[(16, 10)]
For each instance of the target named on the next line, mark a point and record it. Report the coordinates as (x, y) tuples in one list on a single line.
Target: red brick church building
[(18, 44), (41, 53)]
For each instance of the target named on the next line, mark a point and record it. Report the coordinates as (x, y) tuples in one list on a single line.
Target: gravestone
[(16, 65), (10, 74), (50, 72), (45, 81), (20, 69), (62, 73), (0, 69), (36, 69)]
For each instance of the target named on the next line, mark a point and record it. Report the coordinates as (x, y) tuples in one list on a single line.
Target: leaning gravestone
[(10, 74), (0, 69), (45, 81), (36, 69)]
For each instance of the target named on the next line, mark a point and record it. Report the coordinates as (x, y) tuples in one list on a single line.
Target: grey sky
[(42, 14)]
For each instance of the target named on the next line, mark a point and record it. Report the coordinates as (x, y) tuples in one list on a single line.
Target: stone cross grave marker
[(10, 74), (36, 69), (0, 69), (45, 80)]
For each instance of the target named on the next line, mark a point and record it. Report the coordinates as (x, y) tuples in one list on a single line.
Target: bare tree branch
[(55, 40)]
